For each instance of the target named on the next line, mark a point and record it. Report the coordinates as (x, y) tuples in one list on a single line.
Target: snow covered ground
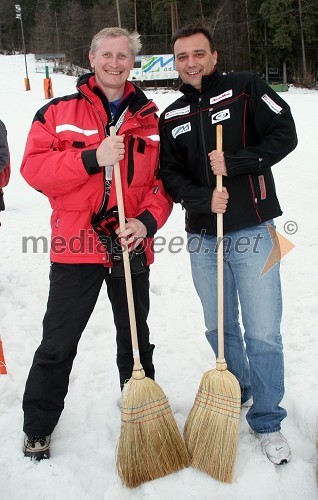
[(82, 464)]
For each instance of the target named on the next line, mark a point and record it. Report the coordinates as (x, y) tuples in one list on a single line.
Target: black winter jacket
[(258, 131)]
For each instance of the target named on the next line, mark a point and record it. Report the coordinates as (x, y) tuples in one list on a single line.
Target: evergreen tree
[(248, 34)]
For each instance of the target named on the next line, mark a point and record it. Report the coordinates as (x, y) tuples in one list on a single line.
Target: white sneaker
[(247, 403), (275, 447)]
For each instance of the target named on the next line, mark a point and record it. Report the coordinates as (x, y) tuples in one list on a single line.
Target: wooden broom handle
[(128, 280), (220, 359)]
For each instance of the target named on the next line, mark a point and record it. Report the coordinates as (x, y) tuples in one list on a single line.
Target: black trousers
[(74, 289)]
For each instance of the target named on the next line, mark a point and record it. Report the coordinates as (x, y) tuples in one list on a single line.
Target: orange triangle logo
[(281, 247)]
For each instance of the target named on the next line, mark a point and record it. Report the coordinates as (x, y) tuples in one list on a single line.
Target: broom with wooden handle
[(150, 444), (211, 429)]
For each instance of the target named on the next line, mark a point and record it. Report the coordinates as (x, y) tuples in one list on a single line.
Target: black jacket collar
[(208, 82)]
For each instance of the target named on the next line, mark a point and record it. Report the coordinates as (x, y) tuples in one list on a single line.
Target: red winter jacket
[(60, 161)]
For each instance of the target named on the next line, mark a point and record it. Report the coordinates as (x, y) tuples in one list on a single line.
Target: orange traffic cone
[(3, 368)]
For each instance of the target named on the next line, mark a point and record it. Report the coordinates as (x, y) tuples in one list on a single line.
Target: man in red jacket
[(68, 157)]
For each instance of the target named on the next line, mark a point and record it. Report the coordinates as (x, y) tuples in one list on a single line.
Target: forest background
[(252, 35)]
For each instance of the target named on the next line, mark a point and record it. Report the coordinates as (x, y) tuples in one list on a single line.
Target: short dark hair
[(192, 29)]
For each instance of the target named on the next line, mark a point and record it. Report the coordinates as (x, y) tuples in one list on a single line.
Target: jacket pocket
[(142, 160), (258, 188)]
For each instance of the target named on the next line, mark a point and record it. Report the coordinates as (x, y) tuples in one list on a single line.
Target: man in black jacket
[(258, 131)]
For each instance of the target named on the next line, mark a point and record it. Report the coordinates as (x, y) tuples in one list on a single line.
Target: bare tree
[(201, 11), (75, 40), (248, 35), (43, 36), (118, 13), (217, 15), (305, 76), (135, 15), (174, 15)]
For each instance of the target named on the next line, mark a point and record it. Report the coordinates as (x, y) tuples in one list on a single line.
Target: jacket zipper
[(205, 154), (251, 179), (254, 190), (102, 207), (103, 204), (207, 169)]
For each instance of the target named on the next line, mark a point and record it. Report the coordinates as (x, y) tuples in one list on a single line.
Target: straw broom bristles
[(150, 444), (211, 429)]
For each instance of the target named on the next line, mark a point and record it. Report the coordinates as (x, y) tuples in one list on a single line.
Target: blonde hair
[(133, 38)]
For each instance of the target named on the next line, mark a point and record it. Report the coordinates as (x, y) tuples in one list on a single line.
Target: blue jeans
[(256, 359)]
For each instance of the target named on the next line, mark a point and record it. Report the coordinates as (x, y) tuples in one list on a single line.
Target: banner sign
[(158, 67)]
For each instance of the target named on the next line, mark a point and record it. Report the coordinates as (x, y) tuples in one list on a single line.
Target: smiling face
[(112, 61), (194, 58)]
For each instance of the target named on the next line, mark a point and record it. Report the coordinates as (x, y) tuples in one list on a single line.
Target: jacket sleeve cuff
[(149, 221), (90, 162)]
